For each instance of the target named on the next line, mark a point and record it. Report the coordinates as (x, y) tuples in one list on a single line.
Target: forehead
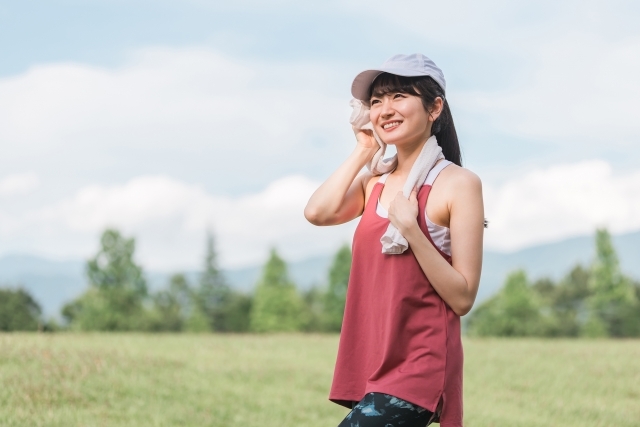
[(386, 84)]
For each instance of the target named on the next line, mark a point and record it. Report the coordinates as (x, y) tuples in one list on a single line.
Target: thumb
[(414, 195)]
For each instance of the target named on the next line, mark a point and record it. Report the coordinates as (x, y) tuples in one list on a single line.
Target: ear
[(436, 108)]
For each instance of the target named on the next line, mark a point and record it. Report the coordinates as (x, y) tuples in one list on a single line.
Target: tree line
[(597, 300), (118, 298)]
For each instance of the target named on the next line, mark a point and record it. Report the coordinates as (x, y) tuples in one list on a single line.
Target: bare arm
[(457, 284), (341, 197)]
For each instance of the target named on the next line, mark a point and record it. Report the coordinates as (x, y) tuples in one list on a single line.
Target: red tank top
[(398, 336)]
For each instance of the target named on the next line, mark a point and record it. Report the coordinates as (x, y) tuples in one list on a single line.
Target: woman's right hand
[(341, 197), (366, 141)]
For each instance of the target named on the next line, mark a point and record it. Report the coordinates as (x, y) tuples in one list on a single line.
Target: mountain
[(53, 283)]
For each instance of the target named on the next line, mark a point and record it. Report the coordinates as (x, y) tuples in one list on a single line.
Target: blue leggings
[(384, 410)]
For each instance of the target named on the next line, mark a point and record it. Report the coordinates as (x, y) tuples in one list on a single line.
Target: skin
[(455, 200)]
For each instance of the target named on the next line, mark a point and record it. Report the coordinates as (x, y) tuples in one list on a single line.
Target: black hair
[(428, 90)]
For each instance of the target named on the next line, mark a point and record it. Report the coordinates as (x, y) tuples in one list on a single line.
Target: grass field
[(283, 380)]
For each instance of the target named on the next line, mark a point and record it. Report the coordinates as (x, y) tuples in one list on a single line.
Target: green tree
[(562, 305), (277, 305), (313, 299), (613, 304), (117, 290), (335, 297), (214, 295), (173, 306), (514, 311), (238, 312), (18, 311), (569, 302)]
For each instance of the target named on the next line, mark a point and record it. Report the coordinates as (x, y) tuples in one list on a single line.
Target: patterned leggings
[(384, 410)]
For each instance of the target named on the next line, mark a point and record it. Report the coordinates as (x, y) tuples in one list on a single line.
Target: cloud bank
[(169, 217), (228, 123), (561, 201)]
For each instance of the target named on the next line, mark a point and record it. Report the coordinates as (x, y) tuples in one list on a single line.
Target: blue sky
[(164, 118)]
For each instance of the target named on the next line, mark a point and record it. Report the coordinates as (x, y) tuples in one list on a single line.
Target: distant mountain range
[(53, 283)]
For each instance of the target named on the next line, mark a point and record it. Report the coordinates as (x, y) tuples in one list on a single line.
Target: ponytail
[(445, 132)]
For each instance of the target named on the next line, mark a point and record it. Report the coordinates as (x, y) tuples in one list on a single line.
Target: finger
[(414, 195)]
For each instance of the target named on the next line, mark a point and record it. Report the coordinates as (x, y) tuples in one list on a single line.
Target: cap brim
[(362, 82)]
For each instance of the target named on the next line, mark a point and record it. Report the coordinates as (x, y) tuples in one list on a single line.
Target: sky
[(166, 119)]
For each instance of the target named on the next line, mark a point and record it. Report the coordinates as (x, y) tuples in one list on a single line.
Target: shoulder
[(458, 179)]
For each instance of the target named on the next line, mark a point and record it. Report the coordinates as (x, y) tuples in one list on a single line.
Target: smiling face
[(400, 118)]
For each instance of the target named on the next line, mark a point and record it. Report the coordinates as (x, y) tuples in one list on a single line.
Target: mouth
[(391, 125)]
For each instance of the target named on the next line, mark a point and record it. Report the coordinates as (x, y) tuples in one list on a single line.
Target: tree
[(214, 295), (335, 297), (514, 311), (117, 289), (569, 302), (613, 304), (277, 305), (238, 312), (314, 302), (594, 301), (18, 311), (173, 306)]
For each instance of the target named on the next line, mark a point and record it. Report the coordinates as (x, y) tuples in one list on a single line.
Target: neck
[(407, 155)]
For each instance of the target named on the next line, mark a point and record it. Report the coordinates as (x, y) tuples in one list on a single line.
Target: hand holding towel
[(360, 120)]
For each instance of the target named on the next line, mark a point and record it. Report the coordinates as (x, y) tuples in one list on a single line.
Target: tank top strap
[(375, 194), (435, 171)]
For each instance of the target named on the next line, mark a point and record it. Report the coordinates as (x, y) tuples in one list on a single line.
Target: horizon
[(316, 256)]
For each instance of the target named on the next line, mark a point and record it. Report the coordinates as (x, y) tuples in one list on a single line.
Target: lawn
[(283, 380)]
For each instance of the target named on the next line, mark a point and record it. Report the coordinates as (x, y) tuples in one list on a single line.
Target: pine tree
[(277, 307), (213, 294), (335, 297)]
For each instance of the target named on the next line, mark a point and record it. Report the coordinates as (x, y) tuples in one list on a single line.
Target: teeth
[(390, 125)]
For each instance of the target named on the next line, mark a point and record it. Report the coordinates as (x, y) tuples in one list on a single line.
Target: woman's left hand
[(403, 212)]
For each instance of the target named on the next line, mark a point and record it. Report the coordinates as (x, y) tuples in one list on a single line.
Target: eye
[(398, 95), (374, 101)]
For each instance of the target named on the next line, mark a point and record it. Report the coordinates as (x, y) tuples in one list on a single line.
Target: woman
[(400, 356)]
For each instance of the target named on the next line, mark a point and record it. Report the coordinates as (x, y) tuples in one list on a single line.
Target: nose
[(387, 108)]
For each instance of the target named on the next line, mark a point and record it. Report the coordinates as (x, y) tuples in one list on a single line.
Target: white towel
[(360, 120), (392, 241)]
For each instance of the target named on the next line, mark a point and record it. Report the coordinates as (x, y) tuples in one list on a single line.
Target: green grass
[(283, 380)]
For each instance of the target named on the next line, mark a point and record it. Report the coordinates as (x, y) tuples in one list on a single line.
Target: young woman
[(400, 356)]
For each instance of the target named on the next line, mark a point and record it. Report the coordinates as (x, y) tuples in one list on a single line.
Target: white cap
[(413, 65)]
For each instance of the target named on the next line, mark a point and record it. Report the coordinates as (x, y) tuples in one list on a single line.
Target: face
[(400, 118)]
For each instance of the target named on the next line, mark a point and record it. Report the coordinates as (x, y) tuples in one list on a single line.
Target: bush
[(19, 311)]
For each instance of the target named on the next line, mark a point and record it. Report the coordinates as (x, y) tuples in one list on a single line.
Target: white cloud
[(21, 183), (561, 201), (170, 217), (174, 110)]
